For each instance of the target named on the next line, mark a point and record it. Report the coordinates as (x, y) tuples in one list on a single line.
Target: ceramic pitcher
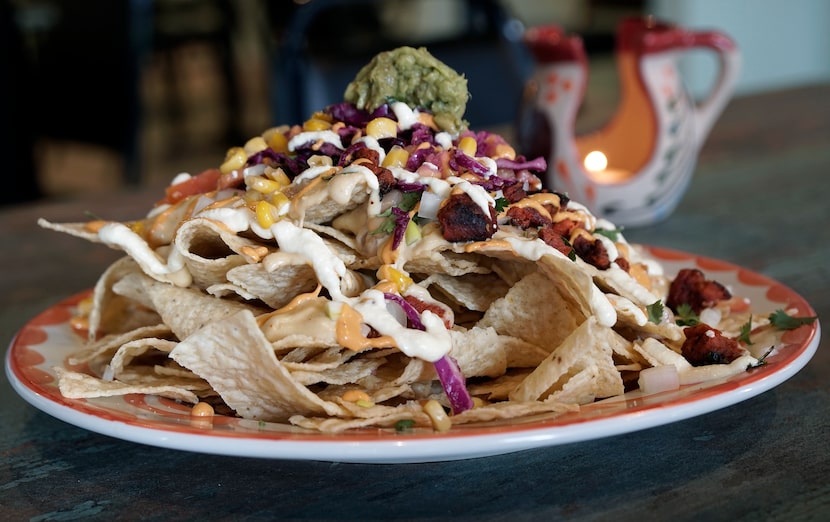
[(635, 168)]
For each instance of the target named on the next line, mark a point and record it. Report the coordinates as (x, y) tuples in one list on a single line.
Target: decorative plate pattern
[(47, 340)]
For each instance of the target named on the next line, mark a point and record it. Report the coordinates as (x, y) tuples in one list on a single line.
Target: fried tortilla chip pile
[(351, 270)]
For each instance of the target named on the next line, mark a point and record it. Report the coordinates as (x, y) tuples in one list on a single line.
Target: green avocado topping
[(417, 78)]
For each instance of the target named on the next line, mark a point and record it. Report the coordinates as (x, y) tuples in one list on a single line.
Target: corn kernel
[(395, 276), (320, 115), (266, 214), (468, 145), (262, 185), (316, 124), (279, 176), (504, 150), (440, 420), (234, 160), (254, 145), (278, 142), (202, 409), (396, 157), (280, 202), (355, 395), (382, 127)]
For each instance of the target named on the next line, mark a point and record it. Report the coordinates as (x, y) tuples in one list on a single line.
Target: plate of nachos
[(381, 283)]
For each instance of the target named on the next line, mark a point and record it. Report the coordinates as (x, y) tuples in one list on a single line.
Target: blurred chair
[(85, 74), (17, 104), (321, 45), (87, 58), (177, 24)]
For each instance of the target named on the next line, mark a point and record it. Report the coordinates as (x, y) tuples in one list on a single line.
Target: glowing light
[(596, 161)]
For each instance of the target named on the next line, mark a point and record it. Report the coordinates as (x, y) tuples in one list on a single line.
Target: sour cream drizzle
[(172, 271), (429, 345)]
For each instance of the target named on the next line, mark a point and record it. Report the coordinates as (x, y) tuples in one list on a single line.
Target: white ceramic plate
[(47, 340)]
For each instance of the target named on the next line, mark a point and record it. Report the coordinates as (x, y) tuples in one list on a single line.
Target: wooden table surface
[(759, 199)]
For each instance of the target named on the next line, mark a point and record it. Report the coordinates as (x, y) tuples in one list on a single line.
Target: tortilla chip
[(278, 286), (578, 371), (74, 385), (186, 310), (535, 311), (209, 250), (234, 356)]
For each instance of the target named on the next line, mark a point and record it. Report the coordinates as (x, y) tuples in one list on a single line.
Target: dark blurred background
[(100, 94)]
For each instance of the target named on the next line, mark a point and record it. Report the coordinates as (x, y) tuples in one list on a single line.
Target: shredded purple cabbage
[(449, 374), (539, 164), (454, 384), (460, 159), (401, 220)]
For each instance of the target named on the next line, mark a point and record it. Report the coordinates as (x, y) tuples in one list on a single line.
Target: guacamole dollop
[(417, 78)]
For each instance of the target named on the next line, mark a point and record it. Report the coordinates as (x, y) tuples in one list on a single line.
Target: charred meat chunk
[(462, 219), (692, 288), (592, 252), (526, 217), (706, 345)]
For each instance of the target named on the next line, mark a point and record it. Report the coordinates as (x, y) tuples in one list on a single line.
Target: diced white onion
[(396, 311), (710, 316), (430, 202), (658, 379)]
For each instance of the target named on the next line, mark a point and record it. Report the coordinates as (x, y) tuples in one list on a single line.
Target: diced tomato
[(199, 184)]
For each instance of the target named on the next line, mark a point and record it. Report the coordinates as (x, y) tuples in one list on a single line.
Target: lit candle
[(597, 166)]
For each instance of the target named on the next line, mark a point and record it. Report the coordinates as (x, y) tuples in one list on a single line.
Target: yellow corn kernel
[(316, 124), (279, 176), (202, 409), (278, 142), (468, 145), (382, 127), (395, 276), (396, 157), (266, 214), (503, 150), (234, 160), (440, 420), (262, 185), (280, 202), (254, 145), (355, 395), (320, 115)]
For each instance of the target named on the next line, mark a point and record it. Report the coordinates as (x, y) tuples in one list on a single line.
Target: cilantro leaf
[(612, 234), (409, 200), (746, 328), (655, 312), (501, 204), (407, 203), (686, 316), (404, 425), (783, 321), (388, 224)]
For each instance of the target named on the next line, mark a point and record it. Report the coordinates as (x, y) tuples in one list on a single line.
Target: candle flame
[(596, 161)]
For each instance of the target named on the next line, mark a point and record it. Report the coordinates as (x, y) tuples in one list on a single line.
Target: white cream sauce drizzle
[(173, 270), (429, 345), (324, 135)]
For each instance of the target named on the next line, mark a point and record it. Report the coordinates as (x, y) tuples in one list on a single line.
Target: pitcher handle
[(729, 58)]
